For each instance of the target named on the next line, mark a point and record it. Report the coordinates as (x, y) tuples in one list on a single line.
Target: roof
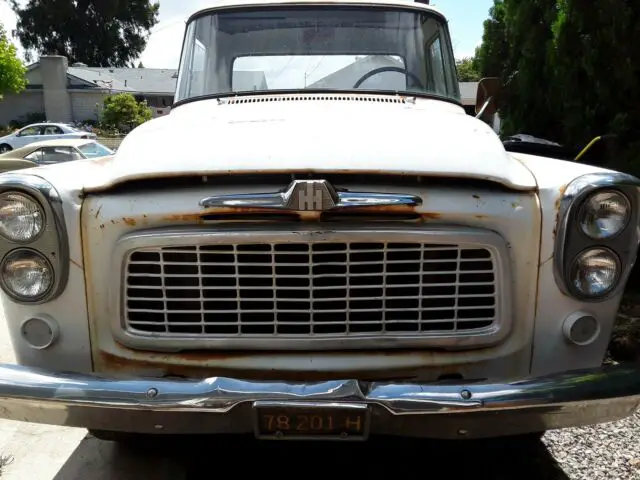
[(468, 92), (143, 80), (100, 79), (221, 4)]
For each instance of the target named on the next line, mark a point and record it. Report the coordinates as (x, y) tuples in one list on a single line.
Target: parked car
[(8, 164), (347, 254), (58, 151), (41, 131)]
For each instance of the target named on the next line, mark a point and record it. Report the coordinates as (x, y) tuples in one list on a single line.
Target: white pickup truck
[(317, 242)]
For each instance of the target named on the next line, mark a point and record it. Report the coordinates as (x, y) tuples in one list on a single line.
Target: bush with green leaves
[(12, 70), (123, 112)]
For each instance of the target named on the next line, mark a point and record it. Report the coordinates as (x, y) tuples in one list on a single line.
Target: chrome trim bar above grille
[(461, 237), (311, 195)]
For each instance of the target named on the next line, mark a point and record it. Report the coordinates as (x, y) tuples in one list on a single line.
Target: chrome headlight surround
[(571, 240), (52, 242)]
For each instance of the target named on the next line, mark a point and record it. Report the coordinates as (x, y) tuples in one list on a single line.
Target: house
[(353, 72), (468, 92), (64, 93)]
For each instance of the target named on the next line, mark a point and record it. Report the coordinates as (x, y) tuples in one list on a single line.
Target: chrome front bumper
[(225, 405)]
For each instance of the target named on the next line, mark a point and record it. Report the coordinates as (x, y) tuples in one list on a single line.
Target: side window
[(29, 131), (51, 155), (52, 130), (35, 157), (437, 66)]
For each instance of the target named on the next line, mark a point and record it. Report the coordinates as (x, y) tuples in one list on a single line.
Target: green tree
[(596, 54), (467, 70), (491, 55), (98, 33), (122, 110), (12, 70), (517, 44)]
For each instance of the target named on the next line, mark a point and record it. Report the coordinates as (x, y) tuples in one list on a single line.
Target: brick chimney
[(57, 101)]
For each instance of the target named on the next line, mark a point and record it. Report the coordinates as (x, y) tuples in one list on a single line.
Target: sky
[(164, 45)]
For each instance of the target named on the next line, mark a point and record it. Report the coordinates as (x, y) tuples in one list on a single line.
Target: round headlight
[(21, 217), (604, 214), (595, 272), (26, 275)]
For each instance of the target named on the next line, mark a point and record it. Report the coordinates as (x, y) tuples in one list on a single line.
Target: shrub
[(123, 112)]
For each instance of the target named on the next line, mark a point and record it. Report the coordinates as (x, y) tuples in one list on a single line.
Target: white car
[(333, 249), (41, 131)]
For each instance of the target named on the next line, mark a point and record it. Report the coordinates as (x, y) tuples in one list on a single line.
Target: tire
[(4, 148)]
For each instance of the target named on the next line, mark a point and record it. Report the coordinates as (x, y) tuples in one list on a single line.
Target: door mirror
[(487, 97)]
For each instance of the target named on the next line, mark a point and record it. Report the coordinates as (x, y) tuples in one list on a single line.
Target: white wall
[(83, 105), (12, 107)]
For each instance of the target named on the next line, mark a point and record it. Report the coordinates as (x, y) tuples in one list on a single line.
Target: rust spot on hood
[(129, 221)]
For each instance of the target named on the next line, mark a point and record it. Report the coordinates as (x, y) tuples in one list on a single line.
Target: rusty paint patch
[(304, 215), (431, 215), (76, 263), (102, 225), (129, 221), (198, 365), (561, 192), (104, 161), (481, 217), (184, 217), (98, 211)]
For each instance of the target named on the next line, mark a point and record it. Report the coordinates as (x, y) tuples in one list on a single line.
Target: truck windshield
[(321, 48)]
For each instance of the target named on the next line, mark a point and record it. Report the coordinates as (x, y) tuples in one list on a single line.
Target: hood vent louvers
[(316, 98)]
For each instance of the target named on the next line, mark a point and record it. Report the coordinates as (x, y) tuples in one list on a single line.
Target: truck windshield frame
[(378, 49)]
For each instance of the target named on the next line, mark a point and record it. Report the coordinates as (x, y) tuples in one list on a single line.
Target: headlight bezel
[(571, 240), (53, 240)]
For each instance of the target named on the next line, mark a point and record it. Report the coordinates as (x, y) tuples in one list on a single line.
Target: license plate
[(311, 421)]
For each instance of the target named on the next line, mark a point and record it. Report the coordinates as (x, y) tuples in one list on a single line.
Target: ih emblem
[(310, 195)]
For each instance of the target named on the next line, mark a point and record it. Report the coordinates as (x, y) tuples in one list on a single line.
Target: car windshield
[(93, 150), (346, 48)]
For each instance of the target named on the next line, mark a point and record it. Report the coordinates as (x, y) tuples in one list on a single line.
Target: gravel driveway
[(609, 451)]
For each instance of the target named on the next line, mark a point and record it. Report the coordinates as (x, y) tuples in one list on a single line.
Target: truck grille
[(310, 290)]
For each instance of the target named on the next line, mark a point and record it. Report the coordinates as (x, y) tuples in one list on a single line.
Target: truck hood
[(341, 135)]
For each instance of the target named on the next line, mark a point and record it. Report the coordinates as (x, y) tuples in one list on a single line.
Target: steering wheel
[(389, 68)]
